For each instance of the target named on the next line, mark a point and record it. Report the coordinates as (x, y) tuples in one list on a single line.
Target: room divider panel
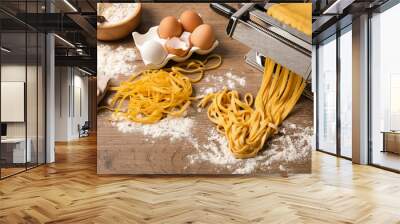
[(22, 77)]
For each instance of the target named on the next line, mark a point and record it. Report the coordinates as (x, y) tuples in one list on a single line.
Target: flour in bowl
[(115, 12)]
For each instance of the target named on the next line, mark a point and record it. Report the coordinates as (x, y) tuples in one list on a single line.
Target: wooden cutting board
[(134, 153)]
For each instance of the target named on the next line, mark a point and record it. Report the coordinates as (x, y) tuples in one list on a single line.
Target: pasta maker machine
[(268, 37)]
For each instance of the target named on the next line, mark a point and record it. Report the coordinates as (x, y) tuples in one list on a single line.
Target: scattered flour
[(216, 83), (240, 80), (115, 60), (215, 151), (292, 144), (296, 146), (172, 128), (115, 12)]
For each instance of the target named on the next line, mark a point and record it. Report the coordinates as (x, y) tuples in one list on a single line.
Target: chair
[(84, 130)]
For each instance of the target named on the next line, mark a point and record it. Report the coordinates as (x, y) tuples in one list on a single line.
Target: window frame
[(381, 9), (336, 38), (31, 30)]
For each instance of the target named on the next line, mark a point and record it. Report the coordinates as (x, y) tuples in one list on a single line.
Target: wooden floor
[(69, 191), (8, 171), (387, 159)]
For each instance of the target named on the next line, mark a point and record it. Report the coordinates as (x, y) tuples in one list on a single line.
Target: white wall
[(81, 82), (69, 82), (33, 126), (16, 73), (12, 73), (62, 81)]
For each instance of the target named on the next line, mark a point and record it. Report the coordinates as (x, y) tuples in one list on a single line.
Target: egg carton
[(152, 34)]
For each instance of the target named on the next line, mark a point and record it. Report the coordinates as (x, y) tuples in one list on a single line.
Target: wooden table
[(120, 153), (14, 150), (391, 141)]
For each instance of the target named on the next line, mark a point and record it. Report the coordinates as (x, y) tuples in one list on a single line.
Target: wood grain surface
[(132, 153), (70, 191)]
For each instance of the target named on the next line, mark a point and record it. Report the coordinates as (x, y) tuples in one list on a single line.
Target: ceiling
[(40, 5), (72, 20)]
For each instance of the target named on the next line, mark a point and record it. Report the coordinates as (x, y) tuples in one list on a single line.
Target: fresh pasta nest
[(155, 94), (247, 128)]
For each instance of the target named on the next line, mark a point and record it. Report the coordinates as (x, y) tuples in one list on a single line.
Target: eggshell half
[(177, 46)]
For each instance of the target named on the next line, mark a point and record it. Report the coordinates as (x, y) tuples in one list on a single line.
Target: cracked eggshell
[(178, 46)]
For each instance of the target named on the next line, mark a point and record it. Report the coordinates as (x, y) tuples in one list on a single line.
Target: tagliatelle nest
[(154, 94), (247, 128)]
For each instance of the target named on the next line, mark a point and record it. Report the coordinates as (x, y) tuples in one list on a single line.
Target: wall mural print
[(179, 93)]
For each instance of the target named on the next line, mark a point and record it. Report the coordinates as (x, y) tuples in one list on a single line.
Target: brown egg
[(169, 27), (203, 37), (190, 20)]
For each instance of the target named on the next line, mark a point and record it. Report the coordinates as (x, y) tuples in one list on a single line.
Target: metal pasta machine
[(268, 37)]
